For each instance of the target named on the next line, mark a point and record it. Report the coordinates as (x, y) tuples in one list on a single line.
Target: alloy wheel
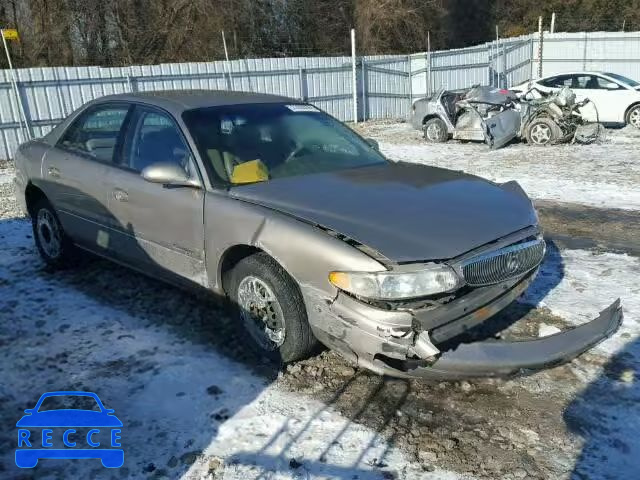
[(48, 232), (434, 132), (634, 117), (540, 134), (261, 313)]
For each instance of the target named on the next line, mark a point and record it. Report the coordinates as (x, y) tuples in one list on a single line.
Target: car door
[(157, 228), (501, 128), (587, 85), (613, 99), (74, 171)]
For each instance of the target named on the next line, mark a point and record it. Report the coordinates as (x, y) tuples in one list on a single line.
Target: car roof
[(178, 101), (582, 72)]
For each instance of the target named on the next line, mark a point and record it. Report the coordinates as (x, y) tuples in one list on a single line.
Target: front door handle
[(53, 172), (120, 195)]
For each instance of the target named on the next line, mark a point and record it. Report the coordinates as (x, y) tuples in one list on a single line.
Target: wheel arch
[(628, 110), (33, 194), (431, 116), (230, 259)]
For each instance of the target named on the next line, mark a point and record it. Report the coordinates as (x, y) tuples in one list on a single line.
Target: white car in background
[(616, 98)]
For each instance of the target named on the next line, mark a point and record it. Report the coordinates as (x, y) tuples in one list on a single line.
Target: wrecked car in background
[(309, 231), (497, 116), (483, 114), (557, 118)]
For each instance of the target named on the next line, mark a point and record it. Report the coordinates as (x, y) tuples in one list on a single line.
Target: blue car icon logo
[(69, 425)]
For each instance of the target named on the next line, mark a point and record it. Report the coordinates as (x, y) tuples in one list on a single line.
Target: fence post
[(428, 66), (531, 57), (364, 88), (584, 51), (16, 90), (227, 64), (354, 81), (410, 83), (540, 47), (505, 73), (498, 55), (302, 83)]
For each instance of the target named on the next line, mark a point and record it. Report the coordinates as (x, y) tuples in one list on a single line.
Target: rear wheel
[(271, 310), (55, 248), (542, 131), (633, 116), (435, 131)]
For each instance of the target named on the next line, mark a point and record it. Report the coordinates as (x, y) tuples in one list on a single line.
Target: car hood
[(406, 212)]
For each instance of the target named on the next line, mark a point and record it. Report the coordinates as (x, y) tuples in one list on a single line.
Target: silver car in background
[(309, 231), (497, 116)]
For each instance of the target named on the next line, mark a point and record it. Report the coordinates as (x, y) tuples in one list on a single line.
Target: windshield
[(620, 78), (258, 142)]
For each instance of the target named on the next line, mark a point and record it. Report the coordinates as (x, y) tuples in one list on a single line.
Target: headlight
[(397, 285)]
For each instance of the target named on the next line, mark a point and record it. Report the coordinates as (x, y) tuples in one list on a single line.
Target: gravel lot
[(195, 404)]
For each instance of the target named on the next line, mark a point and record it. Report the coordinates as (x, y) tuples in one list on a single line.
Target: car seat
[(592, 84)]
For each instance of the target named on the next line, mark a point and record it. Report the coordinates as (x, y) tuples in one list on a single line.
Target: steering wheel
[(301, 147), (298, 148)]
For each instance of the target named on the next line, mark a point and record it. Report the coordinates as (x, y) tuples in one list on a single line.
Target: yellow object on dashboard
[(250, 172)]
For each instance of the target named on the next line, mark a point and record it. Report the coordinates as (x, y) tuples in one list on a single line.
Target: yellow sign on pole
[(10, 34)]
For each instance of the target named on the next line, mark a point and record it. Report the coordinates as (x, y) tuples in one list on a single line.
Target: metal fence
[(617, 52), (385, 85)]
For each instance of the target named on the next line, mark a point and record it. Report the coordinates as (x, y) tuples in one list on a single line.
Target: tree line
[(129, 32)]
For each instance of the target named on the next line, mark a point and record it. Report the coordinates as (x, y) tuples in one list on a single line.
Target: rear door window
[(549, 82), (558, 81), (96, 132)]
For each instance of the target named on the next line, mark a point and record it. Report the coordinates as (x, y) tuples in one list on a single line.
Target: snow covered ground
[(188, 411), (605, 175), (577, 284), (191, 412), (6, 174)]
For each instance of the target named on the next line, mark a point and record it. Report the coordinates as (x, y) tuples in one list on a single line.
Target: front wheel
[(435, 131), (55, 248), (270, 309), (542, 132), (633, 116)]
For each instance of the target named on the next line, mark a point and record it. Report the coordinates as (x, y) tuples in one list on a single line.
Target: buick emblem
[(512, 265)]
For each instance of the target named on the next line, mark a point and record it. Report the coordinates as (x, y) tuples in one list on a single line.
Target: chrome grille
[(504, 264)]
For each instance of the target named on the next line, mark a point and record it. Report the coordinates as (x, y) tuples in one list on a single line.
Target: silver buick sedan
[(312, 234)]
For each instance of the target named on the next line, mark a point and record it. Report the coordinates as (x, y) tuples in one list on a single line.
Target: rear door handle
[(120, 195), (53, 172)]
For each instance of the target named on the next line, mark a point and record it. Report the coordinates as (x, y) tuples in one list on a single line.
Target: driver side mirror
[(612, 86), (168, 174), (373, 143)]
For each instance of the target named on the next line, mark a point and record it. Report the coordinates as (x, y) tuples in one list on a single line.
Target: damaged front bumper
[(404, 343)]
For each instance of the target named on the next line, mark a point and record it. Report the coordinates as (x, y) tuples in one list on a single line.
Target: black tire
[(45, 223), (435, 131), (299, 341), (633, 116), (542, 132)]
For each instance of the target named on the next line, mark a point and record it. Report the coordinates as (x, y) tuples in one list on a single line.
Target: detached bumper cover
[(496, 358)]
